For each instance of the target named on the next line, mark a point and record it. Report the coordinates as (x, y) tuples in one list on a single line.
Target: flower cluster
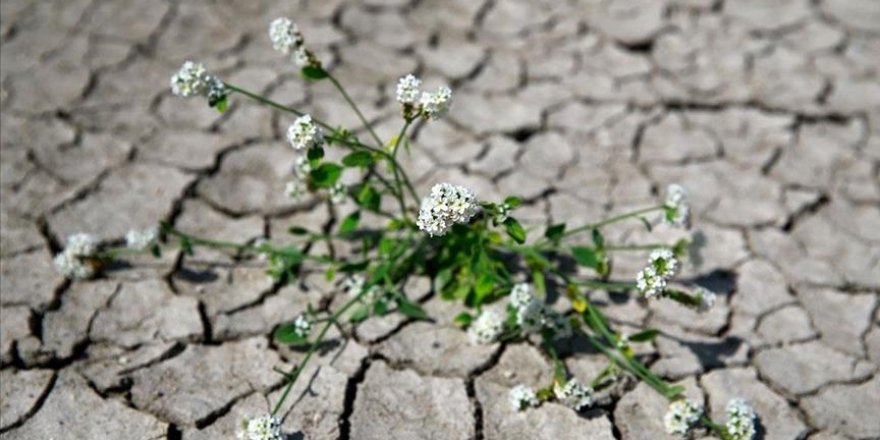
[(533, 316), (487, 328), (445, 206), (304, 134), (706, 298), (77, 261), (141, 240), (740, 420), (266, 427), (338, 193), (295, 189), (287, 39), (522, 397), (682, 416), (417, 103), (662, 265), (676, 211), (193, 80), (573, 394), (302, 326)]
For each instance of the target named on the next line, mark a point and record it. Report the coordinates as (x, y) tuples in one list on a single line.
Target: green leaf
[(156, 250), (315, 154), (358, 159), (515, 230), (326, 175), (411, 309), (286, 334), (359, 314), (483, 288), (313, 73), (380, 308), (513, 202), (298, 230), (554, 232), (350, 223), (644, 336), (354, 267), (369, 198), (463, 319), (220, 104), (585, 256), (186, 246), (598, 239)]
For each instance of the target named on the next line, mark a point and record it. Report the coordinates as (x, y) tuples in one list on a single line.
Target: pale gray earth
[(767, 111)]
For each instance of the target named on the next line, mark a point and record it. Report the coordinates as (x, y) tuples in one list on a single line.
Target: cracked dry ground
[(768, 111)]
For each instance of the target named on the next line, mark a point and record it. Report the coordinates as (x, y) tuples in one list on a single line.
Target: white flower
[(338, 194), (446, 205), (190, 80), (520, 295), (81, 245), (435, 105), (262, 245), (533, 316), (573, 394), (486, 328), (302, 326), (302, 167), (304, 133), (73, 267), (706, 297), (664, 262), (73, 262), (267, 427), (295, 189), (301, 57), (522, 397), (649, 283), (740, 420), (676, 210), (141, 240), (502, 213), (285, 35), (408, 89), (353, 285), (681, 416)]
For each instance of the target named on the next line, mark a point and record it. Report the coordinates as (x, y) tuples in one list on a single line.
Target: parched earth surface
[(767, 111)]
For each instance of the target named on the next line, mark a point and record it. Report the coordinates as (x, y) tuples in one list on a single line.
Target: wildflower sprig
[(472, 248)]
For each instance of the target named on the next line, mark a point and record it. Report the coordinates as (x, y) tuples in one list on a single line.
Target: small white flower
[(190, 80), (338, 194), (520, 295), (267, 427), (502, 213), (408, 90), (353, 285), (295, 189), (261, 244), (677, 212), (301, 57), (141, 240), (302, 326), (285, 35), (436, 105), (649, 283), (73, 262), (740, 420), (573, 394), (664, 262), (446, 205), (707, 299), (304, 133), (522, 397), (302, 167), (682, 416), (81, 245), (487, 328)]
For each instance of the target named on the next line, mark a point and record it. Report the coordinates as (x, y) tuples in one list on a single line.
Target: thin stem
[(396, 168), (355, 108), (637, 247), (604, 284), (610, 220)]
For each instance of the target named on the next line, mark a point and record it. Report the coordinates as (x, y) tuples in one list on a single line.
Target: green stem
[(355, 108), (295, 372), (396, 169), (610, 220), (638, 247)]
